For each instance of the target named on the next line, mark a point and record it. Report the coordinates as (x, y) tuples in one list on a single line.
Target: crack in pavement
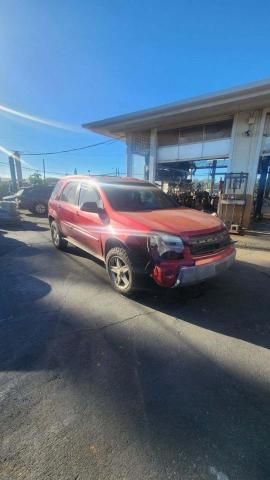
[(112, 324)]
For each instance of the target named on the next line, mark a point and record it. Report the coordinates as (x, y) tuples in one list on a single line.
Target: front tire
[(59, 242), (121, 271)]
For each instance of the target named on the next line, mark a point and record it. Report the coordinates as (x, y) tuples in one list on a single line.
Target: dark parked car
[(33, 198)]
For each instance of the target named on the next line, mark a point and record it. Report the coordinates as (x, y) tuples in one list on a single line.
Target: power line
[(35, 169), (70, 149), (58, 173)]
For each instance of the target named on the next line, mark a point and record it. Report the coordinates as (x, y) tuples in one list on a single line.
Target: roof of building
[(222, 103)]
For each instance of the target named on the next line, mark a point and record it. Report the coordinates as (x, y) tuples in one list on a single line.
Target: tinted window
[(28, 192), (44, 189), (69, 193), (47, 192), (132, 199), (40, 192), (89, 194)]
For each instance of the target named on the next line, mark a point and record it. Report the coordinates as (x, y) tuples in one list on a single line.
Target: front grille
[(209, 243)]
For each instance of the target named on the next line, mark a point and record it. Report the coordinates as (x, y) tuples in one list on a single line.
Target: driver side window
[(89, 194)]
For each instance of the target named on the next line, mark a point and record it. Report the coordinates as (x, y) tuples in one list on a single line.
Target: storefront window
[(214, 131), (195, 134), (168, 137), (191, 134), (139, 154)]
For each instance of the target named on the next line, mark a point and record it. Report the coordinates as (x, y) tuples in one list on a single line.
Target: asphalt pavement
[(170, 385)]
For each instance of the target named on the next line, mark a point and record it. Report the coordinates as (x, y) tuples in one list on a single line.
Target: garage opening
[(192, 162), (194, 184), (261, 198)]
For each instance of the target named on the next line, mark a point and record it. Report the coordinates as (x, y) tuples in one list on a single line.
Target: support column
[(213, 175), (153, 155), (129, 154), (247, 141), (12, 174), (18, 166)]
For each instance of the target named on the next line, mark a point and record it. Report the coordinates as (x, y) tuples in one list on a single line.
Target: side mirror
[(90, 207)]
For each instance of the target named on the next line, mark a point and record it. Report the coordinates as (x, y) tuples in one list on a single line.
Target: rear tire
[(59, 242), (40, 209), (121, 271)]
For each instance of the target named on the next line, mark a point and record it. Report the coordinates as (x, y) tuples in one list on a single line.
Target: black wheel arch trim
[(139, 258)]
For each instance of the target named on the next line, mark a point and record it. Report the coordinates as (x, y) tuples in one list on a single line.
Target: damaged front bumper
[(199, 273), (192, 271)]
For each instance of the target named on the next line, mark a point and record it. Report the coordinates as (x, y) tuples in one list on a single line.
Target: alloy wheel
[(119, 272), (55, 235), (40, 209)]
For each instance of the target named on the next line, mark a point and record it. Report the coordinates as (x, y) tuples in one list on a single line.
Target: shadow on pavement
[(146, 399), (234, 304), (77, 252), (24, 225), (8, 245)]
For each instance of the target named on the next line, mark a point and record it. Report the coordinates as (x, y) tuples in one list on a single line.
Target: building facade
[(194, 143)]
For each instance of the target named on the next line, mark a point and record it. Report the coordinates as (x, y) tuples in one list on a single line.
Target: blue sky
[(77, 61)]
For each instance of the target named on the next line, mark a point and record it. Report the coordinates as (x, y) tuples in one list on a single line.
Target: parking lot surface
[(169, 385)]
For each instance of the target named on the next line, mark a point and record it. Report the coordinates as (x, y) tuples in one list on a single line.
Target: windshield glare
[(127, 198)]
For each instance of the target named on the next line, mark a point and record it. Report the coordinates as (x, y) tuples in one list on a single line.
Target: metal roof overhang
[(225, 103)]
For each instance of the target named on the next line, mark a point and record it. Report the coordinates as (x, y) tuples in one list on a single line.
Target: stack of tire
[(9, 214)]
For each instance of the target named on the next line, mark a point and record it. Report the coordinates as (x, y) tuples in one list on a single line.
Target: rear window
[(27, 191), (38, 192)]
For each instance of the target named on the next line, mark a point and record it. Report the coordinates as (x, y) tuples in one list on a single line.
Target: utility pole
[(12, 173), (44, 171), (18, 166)]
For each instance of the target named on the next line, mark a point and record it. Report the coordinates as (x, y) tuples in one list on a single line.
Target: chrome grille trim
[(211, 242)]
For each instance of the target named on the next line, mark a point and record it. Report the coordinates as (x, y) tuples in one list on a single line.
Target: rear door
[(42, 194), (67, 207), (89, 225)]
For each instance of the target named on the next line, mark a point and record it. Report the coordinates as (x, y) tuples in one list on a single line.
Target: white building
[(225, 131)]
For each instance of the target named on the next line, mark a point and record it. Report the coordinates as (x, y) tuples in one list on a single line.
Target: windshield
[(131, 198)]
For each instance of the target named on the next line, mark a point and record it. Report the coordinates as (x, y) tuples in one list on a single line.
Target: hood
[(178, 221)]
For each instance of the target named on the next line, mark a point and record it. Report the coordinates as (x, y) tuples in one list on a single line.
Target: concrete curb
[(252, 246)]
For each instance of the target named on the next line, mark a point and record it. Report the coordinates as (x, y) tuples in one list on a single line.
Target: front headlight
[(166, 244)]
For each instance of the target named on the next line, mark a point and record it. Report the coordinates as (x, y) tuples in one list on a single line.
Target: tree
[(35, 179), (51, 180)]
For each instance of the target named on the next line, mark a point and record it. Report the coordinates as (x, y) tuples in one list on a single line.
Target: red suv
[(137, 230)]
